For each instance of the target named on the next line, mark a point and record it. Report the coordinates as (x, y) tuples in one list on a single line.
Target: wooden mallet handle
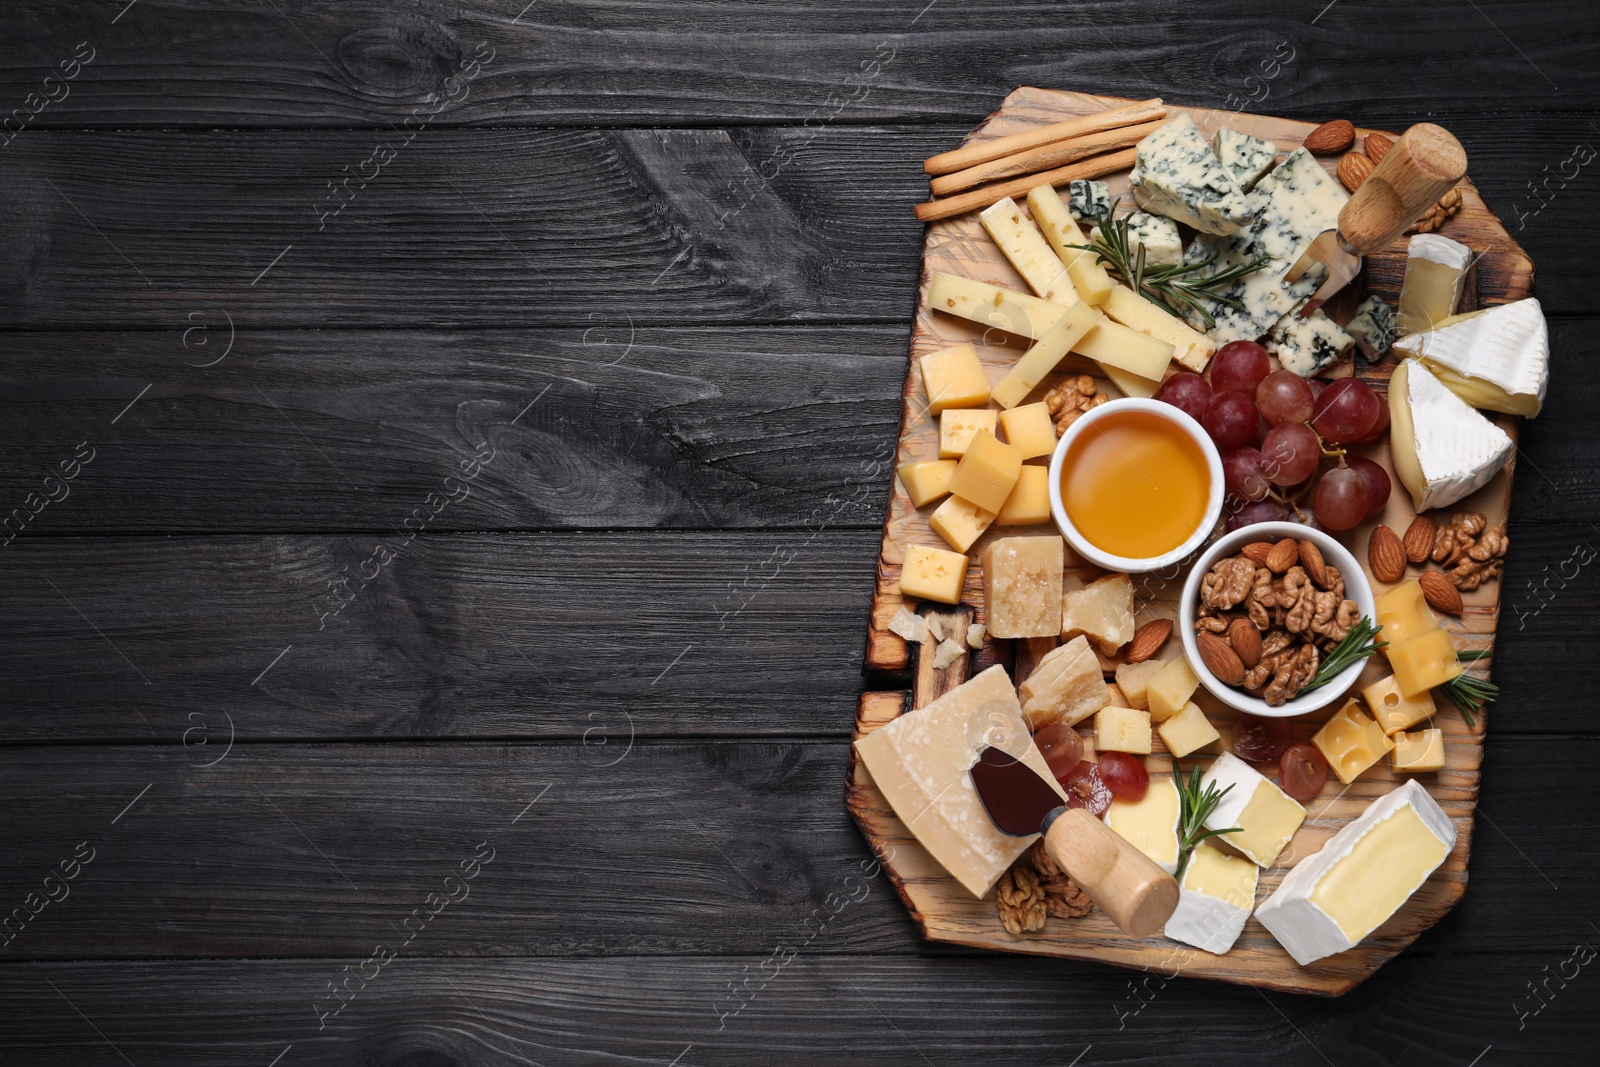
[(1126, 884), (1421, 167)]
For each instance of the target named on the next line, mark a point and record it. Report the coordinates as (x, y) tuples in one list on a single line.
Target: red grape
[(1380, 427), (1283, 396), (1290, 453), (1086, 789), (1125, 776), (1316, 385), (1260, 511), (1230, 419), (1346, 411), (1258, 739), (1302, 770), (1062, 748), (1189, 393), (1377, 482), (1340, 501), (1263, 427), (1242, 477), (1240, 366)]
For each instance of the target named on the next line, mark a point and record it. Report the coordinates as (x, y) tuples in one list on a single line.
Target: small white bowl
[(1081, 544), (1356, 587)]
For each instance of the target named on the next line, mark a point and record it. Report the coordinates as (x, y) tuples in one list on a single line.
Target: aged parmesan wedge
[(1497, 358), (1066, 686), (1442, 449), (1028, 251)]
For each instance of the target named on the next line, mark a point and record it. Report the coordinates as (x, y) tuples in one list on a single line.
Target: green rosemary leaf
[(1194, 807), (1357, 645)]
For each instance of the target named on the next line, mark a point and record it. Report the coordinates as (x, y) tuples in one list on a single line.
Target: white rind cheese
[(1330, 902), (1214, 899), (1442, 449), (1176, 174), (1087, 199), (1150, 824), (1246, 158), (1308, 345), (1266, 816), (1436, 272), (1373, 327), (1497, 358)]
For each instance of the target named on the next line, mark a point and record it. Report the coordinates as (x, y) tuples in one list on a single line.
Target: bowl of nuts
[(1261, 610)]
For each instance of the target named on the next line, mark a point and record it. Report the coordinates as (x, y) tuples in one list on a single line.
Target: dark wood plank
[(696, 848)]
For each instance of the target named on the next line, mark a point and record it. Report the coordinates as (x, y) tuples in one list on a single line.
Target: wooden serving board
[(941, 908)]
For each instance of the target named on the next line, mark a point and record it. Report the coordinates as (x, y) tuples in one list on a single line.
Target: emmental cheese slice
[(1330, 902), (1497, 358), (1267, 817), (1351, 742), (1028, 251), (1150, 825), (1189, 347), (1089, 277), (921, 763), (1214, 899), (1442, 449)]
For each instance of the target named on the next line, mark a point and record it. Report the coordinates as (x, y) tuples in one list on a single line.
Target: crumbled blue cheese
[(1372, 326), (1176, 174), (1088, 199), (1246, 158), (1308, 345), (1309, 197), (1159, 237)]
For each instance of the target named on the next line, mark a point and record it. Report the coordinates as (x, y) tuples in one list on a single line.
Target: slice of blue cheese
[(1246, 158), (1088, 199), (1176, 174), (1158, 235), (1308, 345), (1372, 326)]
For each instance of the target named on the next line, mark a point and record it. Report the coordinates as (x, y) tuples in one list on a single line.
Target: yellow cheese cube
[(988, 471), (1393, 711), (1030, 428), (1134, 681), (958, 426), (1424, 662), (1403, 614), (954, 378), (933, 574), (1171, 689), (1029, 502), (1419, 752), (1352, 742), (928, 481), (1122, 730), (1187, 731), (960, 522)]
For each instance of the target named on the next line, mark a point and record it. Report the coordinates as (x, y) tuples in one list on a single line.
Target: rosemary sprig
[(1194, 807), (1357, 645), (1470, 694), (1174, 287)]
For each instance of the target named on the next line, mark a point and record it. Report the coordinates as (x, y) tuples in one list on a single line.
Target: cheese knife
[(1423, 165), (1126, 884)]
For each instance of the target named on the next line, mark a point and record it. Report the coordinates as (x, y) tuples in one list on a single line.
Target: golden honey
[(1135, 484)]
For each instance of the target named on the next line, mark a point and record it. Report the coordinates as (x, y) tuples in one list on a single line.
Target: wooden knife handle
[(1421, 167), (1126, 884)]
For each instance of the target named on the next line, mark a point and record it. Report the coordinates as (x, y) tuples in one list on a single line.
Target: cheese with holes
[(1187, 731), (1423, 663), (933, 574), (1497, 358), (1189, 347), (1442, 449), (960, 522), (1030, 428), (954, 378), (1171, 689), (1393, 710), (1215, 897), (1176, 174), (1021, 586), (1040, 359), (1004, 309), (1308, 345), (1418, 753), (1267, 817), (1026, 249), (1245, 157), (1373, 327), (1087, 198), (1134, 679), (1066, 686), (921, 763), (927, 481), (1351, 742), (1122, 730), (1333, 900), (1088, 276), (1403, 614), (1102, 610), (1029, 502), (987, 472), (1151, 824), (958, 427), (1436, 272)]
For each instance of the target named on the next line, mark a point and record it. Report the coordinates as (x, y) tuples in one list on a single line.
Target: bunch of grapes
[(1274, 430)]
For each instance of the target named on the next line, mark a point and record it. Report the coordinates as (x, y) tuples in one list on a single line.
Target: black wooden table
[(432, 615)]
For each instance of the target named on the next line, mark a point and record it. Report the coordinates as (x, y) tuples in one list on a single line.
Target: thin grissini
[(983, 152)]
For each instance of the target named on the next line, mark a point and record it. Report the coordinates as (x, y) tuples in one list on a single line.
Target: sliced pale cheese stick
[(1004, 309), (1027, 251), (1041, 359), (1088, 276), (1190, 347)]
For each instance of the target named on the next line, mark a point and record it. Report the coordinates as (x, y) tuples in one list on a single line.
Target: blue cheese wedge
[(1246, 158), (1214, 899), (1176, 174), (1088, 199), (1159, 236), (1372, 326), (1442, 449), (1497, 358), (1308, 345)]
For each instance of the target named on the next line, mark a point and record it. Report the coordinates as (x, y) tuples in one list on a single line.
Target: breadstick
[(973, 154), (992, 194), (1044, 157)]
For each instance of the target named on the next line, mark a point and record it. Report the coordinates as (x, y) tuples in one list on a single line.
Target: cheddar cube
[(958, 426), (1403, 614), (954, 378), (1029, 502), (988, 471), (1134, 679), (1122, 730), (1021, 579), (1424, 662), (1030, 428), (927, 482), (933, 574), (1352, 742), (1187, 731), (1171, 689), (960, 522), (1393, 711), (1419, 752), (1102, 610)]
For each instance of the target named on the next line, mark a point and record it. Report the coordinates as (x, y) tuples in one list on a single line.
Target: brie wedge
[(1267, 817), (1436, 272), (1333, 900), (1214, 899), (1151, 824), (1443, 450), (1497, 358)]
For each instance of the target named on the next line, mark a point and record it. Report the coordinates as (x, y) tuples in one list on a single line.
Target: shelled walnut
[(1035, 889), (1069, 400), (1448, 205), (1469, 550)]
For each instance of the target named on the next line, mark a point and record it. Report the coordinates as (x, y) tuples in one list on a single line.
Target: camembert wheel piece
[(1151, 824), (1443, 450), (1497, 358), (1214, 900), (1267, 817), (1436, 271)]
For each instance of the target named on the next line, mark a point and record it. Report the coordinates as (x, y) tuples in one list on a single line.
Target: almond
[(1440, 594), (1354, 169), (1221, 660), (1331, 137), (1385, 555), (1378, 145), (1148, 639), (1419, 538), (1311, 560), (1284, 554), (1257, 552), (1246, 641)]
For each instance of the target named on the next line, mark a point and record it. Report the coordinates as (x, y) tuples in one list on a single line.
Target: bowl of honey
[(1135, 485)]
